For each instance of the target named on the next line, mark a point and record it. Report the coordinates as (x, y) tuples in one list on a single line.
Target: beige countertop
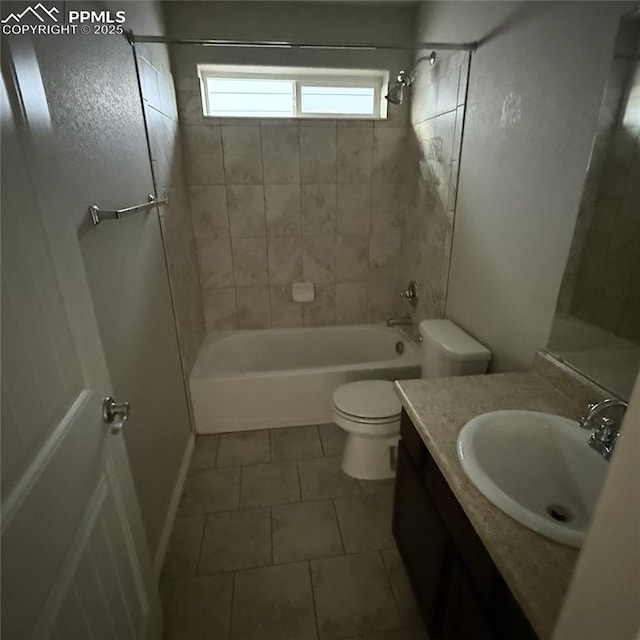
[(536, 569)]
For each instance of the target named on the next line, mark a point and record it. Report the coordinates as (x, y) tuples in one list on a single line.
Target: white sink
[(537, 468)]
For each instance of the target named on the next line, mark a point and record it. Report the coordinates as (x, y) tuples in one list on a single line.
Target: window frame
[(376, 79)]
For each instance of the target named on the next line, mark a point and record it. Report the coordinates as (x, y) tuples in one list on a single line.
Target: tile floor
[(274, 542)]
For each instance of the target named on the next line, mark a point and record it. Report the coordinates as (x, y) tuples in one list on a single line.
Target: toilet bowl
[(369, 411)]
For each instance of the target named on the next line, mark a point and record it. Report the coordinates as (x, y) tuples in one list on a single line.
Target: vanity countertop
[(536, 569)]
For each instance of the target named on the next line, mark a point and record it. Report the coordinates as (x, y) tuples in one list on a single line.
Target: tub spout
[(407, 321)]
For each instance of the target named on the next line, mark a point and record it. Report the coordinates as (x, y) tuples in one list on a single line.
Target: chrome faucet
[(407, 321), (607, 430)]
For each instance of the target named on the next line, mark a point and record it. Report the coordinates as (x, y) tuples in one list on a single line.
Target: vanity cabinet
[(460, 591)]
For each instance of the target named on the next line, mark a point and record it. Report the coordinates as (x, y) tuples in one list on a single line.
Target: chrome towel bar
[(98, 214)]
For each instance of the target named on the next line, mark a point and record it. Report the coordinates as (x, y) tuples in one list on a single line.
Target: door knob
[(114, 413)]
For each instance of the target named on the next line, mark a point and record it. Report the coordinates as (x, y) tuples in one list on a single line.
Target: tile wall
[(437, 114), (281, 201), (175, 218)]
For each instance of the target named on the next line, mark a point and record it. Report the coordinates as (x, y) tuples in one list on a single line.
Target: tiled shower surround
[(437, 114), (281, 201), (175, 218)]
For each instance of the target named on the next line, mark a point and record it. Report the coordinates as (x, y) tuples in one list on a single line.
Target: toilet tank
[(448, 351)]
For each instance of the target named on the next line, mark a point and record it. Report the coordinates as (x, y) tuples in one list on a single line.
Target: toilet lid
[(373, 399)]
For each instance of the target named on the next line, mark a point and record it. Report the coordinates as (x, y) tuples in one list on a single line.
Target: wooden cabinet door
[(421, 538), (464, 614)]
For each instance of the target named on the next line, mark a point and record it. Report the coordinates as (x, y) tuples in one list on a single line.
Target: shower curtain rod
[(462, 46)]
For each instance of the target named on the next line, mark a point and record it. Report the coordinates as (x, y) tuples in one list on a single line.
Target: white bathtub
[(286, 377)]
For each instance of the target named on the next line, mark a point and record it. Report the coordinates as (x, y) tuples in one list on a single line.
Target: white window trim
[(371, 78)]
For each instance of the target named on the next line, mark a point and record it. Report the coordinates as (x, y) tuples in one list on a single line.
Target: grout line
[(313, 598), (233, 602), (390, 582), (199, 560), (335, 510)]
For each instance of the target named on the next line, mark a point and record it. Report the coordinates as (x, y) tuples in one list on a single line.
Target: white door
[(74, 559)]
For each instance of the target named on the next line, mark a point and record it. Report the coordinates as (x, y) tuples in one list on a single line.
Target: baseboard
[(163, 544)]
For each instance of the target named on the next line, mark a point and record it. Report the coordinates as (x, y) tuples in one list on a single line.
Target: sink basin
[(537, 468)]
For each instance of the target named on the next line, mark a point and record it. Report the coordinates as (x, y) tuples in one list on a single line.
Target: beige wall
[(534, 94), (602, 601), (93, 95), (290, 21)]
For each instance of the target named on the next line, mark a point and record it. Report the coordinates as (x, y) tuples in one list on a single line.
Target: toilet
[(369, 410)]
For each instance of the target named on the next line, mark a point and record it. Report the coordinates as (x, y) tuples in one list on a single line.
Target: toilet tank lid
[(452, 341)]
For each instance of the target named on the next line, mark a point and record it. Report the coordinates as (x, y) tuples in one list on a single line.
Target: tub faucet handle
[(411, 293)]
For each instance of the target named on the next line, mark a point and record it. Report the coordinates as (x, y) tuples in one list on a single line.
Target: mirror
[(596, 329)]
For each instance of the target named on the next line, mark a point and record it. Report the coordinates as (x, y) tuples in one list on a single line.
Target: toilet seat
[(367, 402), (371, 421)]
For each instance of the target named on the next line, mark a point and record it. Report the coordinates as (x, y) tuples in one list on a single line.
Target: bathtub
[(285, 377)]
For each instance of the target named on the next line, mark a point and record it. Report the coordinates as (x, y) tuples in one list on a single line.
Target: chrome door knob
[(114, 413)]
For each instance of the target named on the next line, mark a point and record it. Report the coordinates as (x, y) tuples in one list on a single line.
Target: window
[(268, 92)]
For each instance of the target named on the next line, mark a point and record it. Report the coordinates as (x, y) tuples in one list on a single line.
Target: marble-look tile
[(448, 91), (254, 307), (265, 485), (243, 447), (246, 211), (333, 439), (215, 264), (424, 100), (181, 559), (210, 491), (352, 258), (187, 83), (280, 155), (318, 209), (365, 521), (384, 257), (284, 311), (282, 208), (353, 208), (317, 154), (305, 531), (197, 608), (209, 211), (389, 203), (242, 155), (220, 309), (391, 155), (354, 155), (190, 108), (445, 131), (353, 596), (273, 603), (285, 259), (322, 311), (203, 155), (382, 302), (406, 601), (236, 540), (457, 134), (250, 266), (204, 452), (323, 478), (377, 486), (351, 303), (295, 443), (398, 115), (319, 259)]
